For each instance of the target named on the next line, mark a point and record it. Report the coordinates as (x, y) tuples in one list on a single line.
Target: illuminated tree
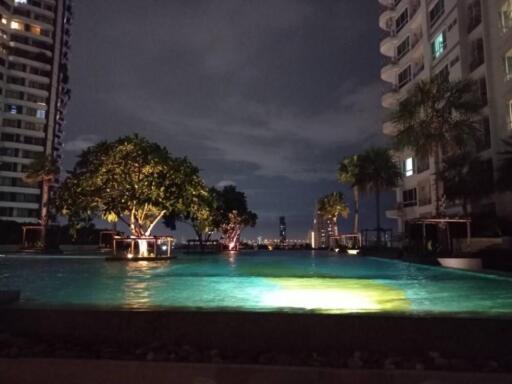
[(43, 169), (200, 216), (131, 180), (232, 215), (332, 206)]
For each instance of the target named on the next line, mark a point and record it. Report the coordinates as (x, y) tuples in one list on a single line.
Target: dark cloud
[(268, 95)]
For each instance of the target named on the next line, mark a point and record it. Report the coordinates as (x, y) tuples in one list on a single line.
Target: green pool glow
[(257, 281)]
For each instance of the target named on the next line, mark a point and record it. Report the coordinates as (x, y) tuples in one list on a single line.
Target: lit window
[(4, 20), (16, 2), (35, 29), (508, 65), (409, 166), (439, 45), (17, 25), (506, 15), (41, 113)]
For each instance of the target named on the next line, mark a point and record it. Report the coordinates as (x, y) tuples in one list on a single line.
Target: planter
[(472, 264)]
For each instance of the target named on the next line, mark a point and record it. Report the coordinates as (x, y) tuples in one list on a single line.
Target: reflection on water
[(335, 295), (259, 281)]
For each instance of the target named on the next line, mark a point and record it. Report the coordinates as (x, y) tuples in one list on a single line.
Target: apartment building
[(324, 230), (34, 52), (457, 39)]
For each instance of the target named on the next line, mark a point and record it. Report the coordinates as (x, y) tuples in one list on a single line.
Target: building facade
[(324, 229), (282, 229), (457, 39), (34, 52)]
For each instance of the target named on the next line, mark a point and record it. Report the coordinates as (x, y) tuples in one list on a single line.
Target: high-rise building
[(282, 229), (457, 39), (324, 229), (34, 52)]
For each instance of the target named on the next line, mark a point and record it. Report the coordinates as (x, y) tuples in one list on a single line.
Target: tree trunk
[(44, 211), (356, 209), (437, 166), (377, 203)]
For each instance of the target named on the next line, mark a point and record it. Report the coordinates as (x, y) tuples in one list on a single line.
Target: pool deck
[(54, 371)]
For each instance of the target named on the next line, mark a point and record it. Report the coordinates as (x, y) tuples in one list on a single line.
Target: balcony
[(387, 46), (389, 72), (389, 128), (391, 99), (386, 19)]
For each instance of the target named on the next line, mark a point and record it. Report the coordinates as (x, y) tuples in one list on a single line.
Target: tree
[(331, 206), (200, 216), (232, 215), (437, 117), (131, 180), (43, 169), (504, 180), (350, 172), (463, 176), (379, 172)]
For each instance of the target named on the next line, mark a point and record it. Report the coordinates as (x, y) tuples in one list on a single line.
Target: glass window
[(403, 48), (436, 12), (508, 65), (506, 15), (402, 20), (17, 25), (16, 2), (409, 197), (409, 167), (41, 114), (404, 77), (510, 114), (439, 45)]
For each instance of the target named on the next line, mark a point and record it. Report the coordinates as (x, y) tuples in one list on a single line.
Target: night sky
[(267, 95)]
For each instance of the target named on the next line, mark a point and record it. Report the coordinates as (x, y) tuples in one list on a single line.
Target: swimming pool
[(301, 281)]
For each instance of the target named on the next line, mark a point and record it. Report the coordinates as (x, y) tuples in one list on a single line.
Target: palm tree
[(43, 169), (380, 172), (437, 117), (504, 181), (350, 172), (331, 206), (463, 176)]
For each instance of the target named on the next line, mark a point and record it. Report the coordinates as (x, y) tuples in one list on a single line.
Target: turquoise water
[(261, 281)]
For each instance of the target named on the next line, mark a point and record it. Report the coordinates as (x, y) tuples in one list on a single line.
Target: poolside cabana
[(141, 248), (446, 230), (32, 237)]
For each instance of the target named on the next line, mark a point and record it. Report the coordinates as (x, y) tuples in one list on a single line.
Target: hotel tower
[(34, 52), (457, 39)]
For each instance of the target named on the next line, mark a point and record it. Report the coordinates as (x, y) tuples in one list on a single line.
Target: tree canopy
[(232, 214), (333, 205), (132, 180)]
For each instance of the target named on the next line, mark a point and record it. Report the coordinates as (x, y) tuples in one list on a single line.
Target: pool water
[(301, 281)]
